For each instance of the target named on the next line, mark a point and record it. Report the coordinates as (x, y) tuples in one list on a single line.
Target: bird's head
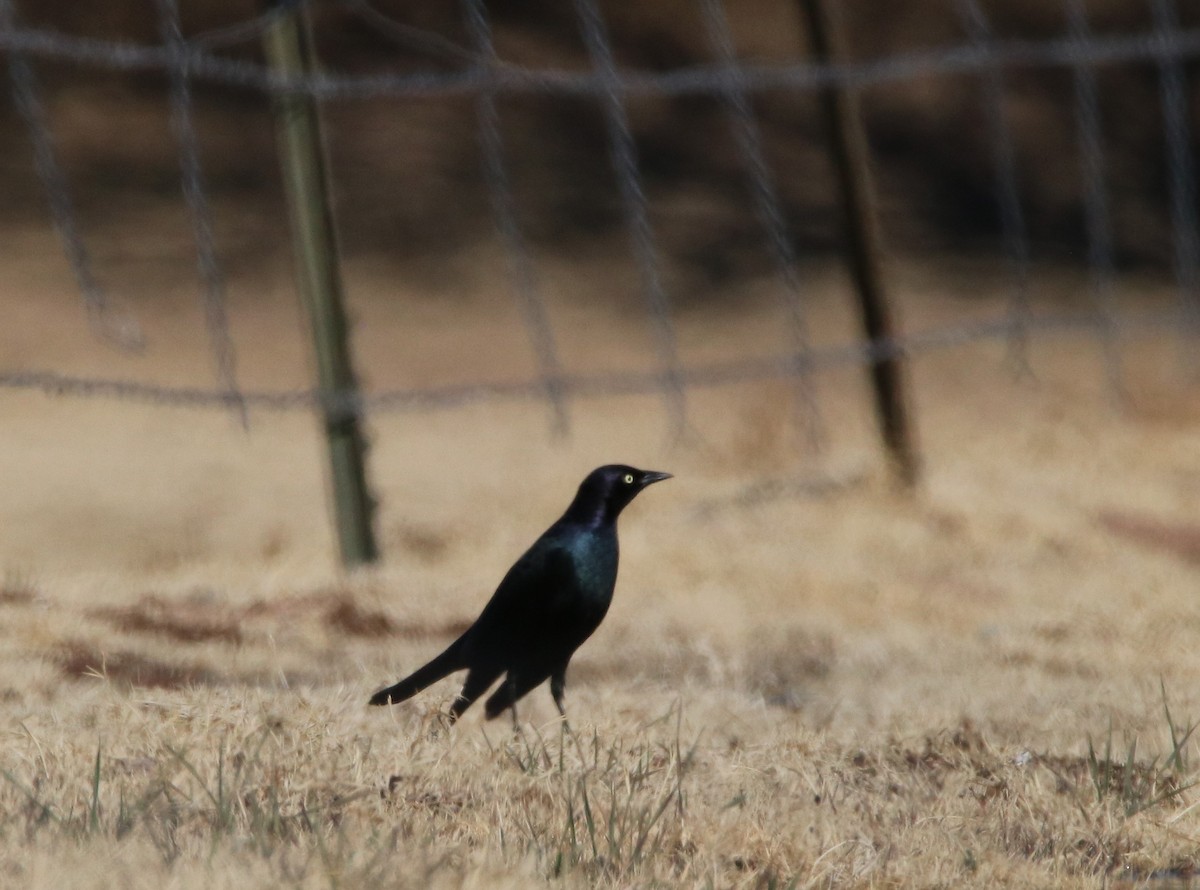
[(607, 490)]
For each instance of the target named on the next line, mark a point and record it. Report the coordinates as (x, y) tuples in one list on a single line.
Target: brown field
[(807, 678)]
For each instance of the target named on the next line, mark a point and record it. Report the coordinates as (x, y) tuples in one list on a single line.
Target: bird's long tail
[(445, 664)]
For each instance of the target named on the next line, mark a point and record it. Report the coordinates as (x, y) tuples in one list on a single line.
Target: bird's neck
[(590, 513)]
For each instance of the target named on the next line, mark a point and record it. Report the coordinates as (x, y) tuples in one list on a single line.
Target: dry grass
[(807, 679)]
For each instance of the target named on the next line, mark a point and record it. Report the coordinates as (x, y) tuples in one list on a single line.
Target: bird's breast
[(595, 561)]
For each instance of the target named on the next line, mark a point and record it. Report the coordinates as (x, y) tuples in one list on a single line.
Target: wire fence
[(185, 60)]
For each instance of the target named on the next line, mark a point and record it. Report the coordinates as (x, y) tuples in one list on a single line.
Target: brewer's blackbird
[(551, 600)]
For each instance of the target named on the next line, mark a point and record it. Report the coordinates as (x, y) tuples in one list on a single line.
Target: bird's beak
[(652, 476)]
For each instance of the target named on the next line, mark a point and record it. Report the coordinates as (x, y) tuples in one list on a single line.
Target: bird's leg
[(512, 705), (477, 682), (511, 689), (558, 686), (461, 703)]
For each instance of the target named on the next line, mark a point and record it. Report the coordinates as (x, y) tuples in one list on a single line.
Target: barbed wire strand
[(1181, 170), (692, 80), (213, 298), (1013, 229), (1095, 200), (623, 154), (111, 324), (413, 38), (769, 210), (601, 385), (520, 264), (242, 32)]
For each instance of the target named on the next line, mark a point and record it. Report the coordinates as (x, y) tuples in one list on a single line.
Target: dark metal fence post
[(848, 152), (289, 53)]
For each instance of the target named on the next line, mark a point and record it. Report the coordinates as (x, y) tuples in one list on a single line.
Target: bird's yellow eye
[(629, 478)]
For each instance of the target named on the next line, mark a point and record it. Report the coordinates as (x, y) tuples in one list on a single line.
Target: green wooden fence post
[(288, 45)]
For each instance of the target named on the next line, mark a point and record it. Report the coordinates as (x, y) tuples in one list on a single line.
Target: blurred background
[(1032, 166), (932, 150)]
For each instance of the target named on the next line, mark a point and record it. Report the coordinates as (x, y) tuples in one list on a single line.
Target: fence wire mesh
[(185, 60)]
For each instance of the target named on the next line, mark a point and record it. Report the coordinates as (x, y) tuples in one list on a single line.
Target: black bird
[(551, 600)]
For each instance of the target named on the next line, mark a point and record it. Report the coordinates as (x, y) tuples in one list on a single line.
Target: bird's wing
[(544, 608), (545, 572), (530, 600)]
